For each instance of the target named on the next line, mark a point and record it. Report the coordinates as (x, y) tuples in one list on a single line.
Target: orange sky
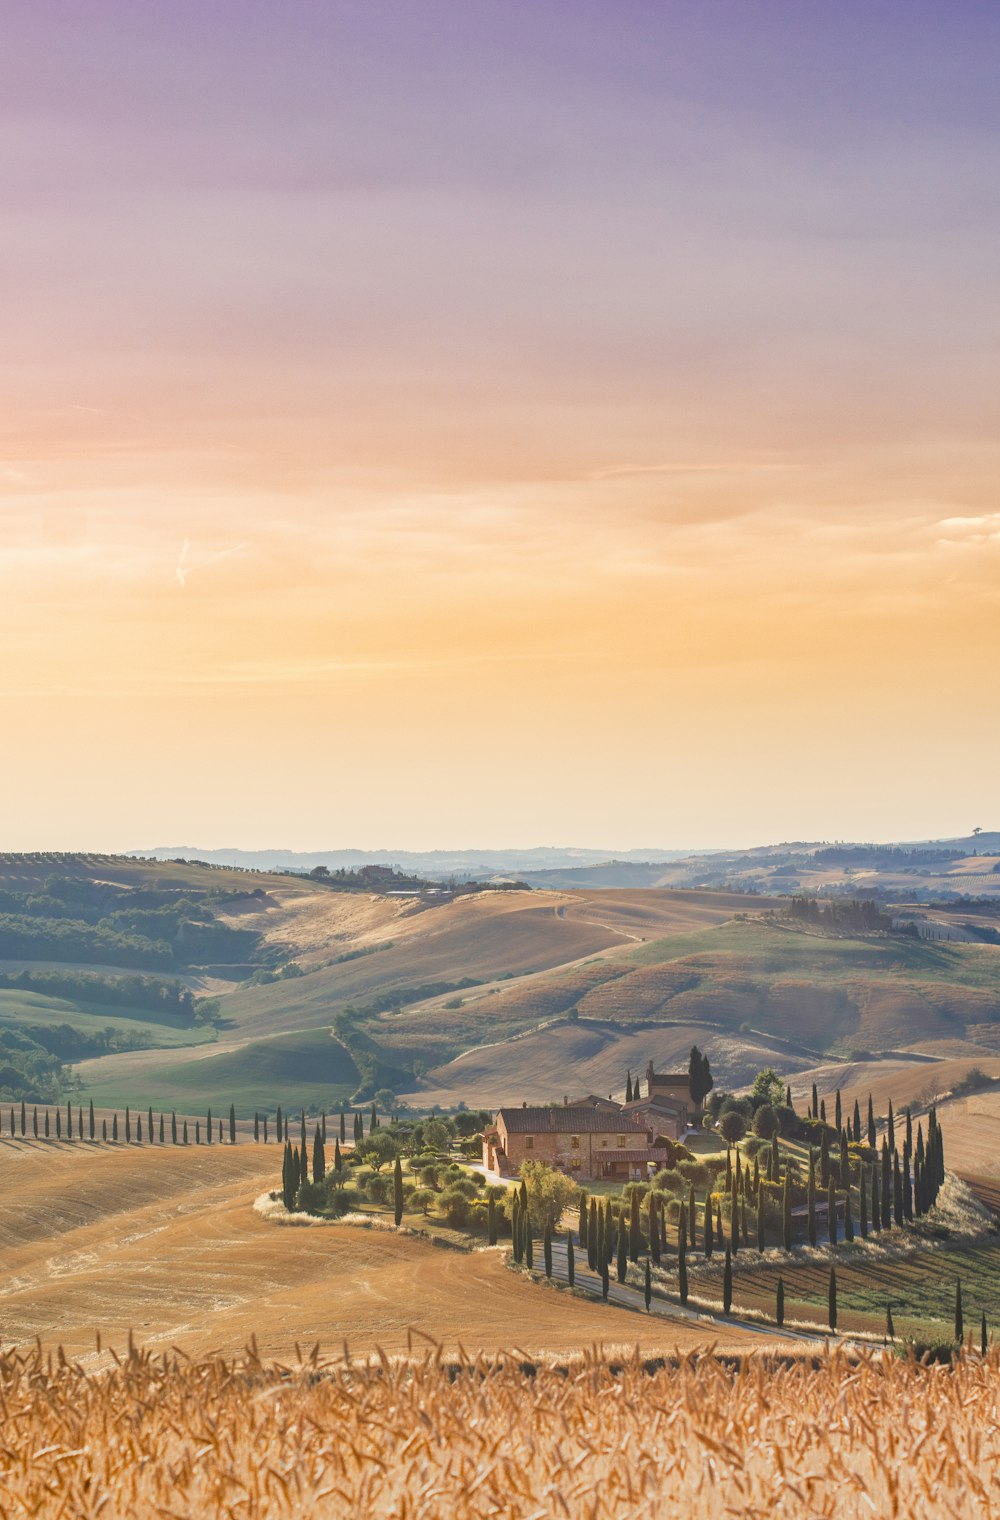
[(464, 468)]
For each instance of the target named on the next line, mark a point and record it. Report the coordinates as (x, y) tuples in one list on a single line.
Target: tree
[(654, 1229), (959, 1321), (622, 1262), (811, 1202), (890, 1328), (114, 1126), (760, 1217), (582, 1225), (529, 1249), (765, 1122), (767, 1088), (856, 1128), (848, 1216), (831, 1212), (397, 1197), (983, 1345), (779, 1303), (786, 1213), (732, 1126), (547, 1191), (682, 1271), (208, 1127), (709, 1243), (700, 1080), (593, 1237), (647, 1289), (232, 1124), (570, 1259), (319, 1156), (185, 1132), (634, 1230), (256, 1127), (378, 1149), (278, 1126), (173, 1127), (628, 1088), (547, 1249), (891, 1127), (437, 1136), (871, 1123), (93, 1124), (605, 1279), (832, 1300), (727, 1283)]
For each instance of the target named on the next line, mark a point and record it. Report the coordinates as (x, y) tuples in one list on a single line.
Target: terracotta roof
[(565, 1121), (658, 1102), (634, 1157)]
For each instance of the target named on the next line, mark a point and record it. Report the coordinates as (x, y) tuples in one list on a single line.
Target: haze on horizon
[(447, 424)]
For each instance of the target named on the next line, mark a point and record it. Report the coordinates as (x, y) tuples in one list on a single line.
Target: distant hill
[(434, 863)]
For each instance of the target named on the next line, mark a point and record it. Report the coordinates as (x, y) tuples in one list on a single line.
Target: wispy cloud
[(185, 569)]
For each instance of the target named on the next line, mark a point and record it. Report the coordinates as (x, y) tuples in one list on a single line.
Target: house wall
[(556, 1148)]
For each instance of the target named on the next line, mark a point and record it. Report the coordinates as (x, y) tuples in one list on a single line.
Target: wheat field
[(167, 1437)]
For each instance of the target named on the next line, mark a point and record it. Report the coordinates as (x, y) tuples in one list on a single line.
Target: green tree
[(547, 1248), (548, 1192), (700, 1081), (622, 1263), (779, 1303), (727, 1283), (647, 1289), (682, 1272), (890, 1329), (732, 1126), (832, 1300), (379, 1149), (208, 1128), (767, 1088), (570, 1259), (397, 1198), (232, 1124), (318, 1156), (765, 1122), (93, 1124), (582, 1225), (634, 1229)]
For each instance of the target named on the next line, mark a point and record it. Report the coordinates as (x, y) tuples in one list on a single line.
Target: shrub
[(379, 1187), (422, 1198), (454, 1205), (765, 1122)]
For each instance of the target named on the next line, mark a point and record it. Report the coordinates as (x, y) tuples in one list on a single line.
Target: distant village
[(594, 1138)]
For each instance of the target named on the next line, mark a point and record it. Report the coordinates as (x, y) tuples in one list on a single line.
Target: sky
[(465, 423)]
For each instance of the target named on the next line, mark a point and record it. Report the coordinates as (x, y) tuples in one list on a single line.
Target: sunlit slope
[(736, 988), (165, 1242)]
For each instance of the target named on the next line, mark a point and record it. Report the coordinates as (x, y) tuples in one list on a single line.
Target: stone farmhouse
[(593, 1138)]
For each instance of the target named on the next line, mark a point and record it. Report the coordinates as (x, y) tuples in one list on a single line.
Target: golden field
[(474, 1439)]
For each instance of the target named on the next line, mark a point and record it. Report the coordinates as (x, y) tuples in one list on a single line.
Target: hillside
[(100, 1240)]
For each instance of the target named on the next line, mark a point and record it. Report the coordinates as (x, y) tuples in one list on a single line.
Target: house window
[(575, 1143), (529, 1142), (622, 1141)]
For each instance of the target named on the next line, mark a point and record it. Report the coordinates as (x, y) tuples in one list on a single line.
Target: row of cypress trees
[(50, 1123)]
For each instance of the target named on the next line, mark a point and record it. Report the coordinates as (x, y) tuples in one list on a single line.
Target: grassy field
[(308, 1068), (33, 1008)]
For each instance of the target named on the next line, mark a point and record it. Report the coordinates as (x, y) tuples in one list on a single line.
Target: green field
[(24, 1009), (306, 1069)]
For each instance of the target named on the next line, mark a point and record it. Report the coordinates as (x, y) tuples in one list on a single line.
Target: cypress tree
[(908, 1140), (138, 1129), (743, 1219), (871, 1123), (918, 1189), (786, 1213), (605, 1280), (149, 1125), (760, 1217), (547, 1249), (876, 1210), (831, 1212), (232, 1124), (848, 1216), (529, 1249), (303, 1159), (647, 1289), (515, 1228), (890, 1328), (491, 1210), (90, 1117), (863, 1204), (709, 1243), (104, 1130), (719, 1232), (323, 1122), (897, 1189), (397, 1196), (634, 1231), (682, 1269), (185, 1132), (24, 1120), (582, 1226), (654, 1229), (822, 1109), (265, 1129), (570, 1259), (891, 1128), (691, 1220), (197, 1132), (277, 1126), (58, 1123), (779, 1303), (343, 1126), (628, 1088), (594, 1228), (373, 1125), (756, 1175), (824, 1159), (34, 1121), (832, 1300), (788, 1097), (729, 1171), (161, 1129), (46, 1124), (907, 1188), (337, 1158), (622, 1264), (734, 1224), (727, 1283), (302, 1136), (128, 1126), (208, 1127), (959, 1322), (811, 1202), (220, 1133), (838, 1114), (256, 1127), (69, 1120), (856, 1132), (886, 1188), (983, 1345), (319, 1162), (814, 1110)]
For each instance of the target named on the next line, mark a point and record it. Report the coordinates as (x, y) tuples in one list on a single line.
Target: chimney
[(525, 1103), (565, 1100)]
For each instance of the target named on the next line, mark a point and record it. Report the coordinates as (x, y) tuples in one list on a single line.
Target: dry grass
[(162, 1436)]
